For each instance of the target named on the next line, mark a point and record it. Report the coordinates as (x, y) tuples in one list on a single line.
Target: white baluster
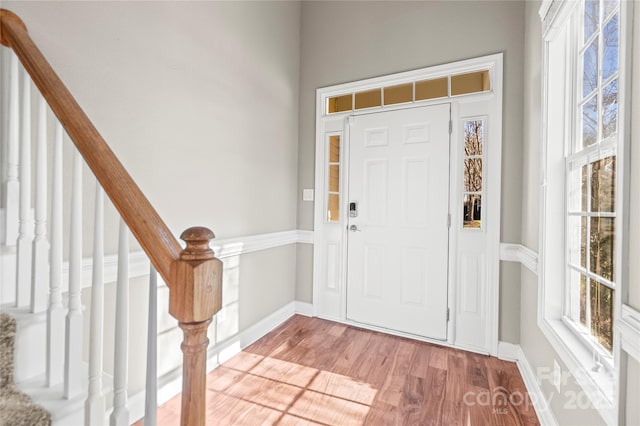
[(151, 396), (55, 313), (12, 188), (40, 267), (120, 414), (95, 405), (25, 237), (73, 350)]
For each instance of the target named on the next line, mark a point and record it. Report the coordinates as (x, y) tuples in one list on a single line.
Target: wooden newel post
[(195, 297)]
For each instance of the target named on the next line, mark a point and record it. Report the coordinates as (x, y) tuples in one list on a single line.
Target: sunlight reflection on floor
[(268, 390)]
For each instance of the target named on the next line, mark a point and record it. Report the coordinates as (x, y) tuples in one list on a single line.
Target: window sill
[(598, 386)]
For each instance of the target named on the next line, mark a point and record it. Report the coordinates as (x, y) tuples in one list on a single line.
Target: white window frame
[(559, 122)]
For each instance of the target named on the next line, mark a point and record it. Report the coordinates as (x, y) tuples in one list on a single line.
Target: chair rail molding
[(223, 248), (519, 253)]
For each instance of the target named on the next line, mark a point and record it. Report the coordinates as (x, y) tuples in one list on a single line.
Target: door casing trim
[(339, 123)]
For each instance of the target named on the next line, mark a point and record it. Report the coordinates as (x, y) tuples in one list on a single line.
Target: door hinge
[(449, 220), (448, 314), (450, 126)]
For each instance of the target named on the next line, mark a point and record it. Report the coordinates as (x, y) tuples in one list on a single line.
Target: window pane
[(590, 122), (583, 300), (610, 109), (583, 242), (334, 178), (473, 137), (368, 99), (591, 10), (398, 94), (431, 89), (473, 175), (575, 306), (609, 5), (583, 188), (472, 209), (610, 48), (590, 68), (601, 247), (340, 103), (470, 83), (602, 314), (576, 238), (333, 208), (603, 185), (334, 149), (577, 196)]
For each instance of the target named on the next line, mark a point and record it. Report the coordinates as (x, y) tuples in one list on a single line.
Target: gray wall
[(348, 41), (199, 100), (535, 346)]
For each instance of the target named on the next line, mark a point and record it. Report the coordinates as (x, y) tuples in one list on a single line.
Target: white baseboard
[(230, 347), (508, 351), (304, 308), (170, 384), (512, 352), (540, 403)]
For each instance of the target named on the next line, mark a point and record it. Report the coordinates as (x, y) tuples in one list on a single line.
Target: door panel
[(398, 243), (415, 196), (376, 199)]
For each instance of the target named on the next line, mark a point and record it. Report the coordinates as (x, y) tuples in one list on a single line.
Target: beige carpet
[(16, 408)]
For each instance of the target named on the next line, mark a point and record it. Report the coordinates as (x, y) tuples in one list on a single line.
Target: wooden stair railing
[(194, 275)]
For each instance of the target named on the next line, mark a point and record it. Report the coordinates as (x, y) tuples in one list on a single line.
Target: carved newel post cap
[(196, 279), (197, 239)]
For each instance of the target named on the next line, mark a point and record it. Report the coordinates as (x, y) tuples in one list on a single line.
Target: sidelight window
[(333, 179), (472, 170)]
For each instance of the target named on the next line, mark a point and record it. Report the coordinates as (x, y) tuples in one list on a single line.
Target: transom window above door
[(414, 91)]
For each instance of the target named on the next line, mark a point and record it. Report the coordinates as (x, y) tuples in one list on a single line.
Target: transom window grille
[(441, 87)]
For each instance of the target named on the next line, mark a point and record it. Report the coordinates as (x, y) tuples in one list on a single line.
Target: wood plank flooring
[(310, 371)]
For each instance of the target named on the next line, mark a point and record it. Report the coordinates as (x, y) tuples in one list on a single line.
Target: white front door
[(398, 239)]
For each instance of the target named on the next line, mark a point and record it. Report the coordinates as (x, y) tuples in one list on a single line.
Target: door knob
[(354, 228)]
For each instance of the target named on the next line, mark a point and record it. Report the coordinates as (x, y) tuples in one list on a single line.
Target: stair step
[(7, 275), (30, 343), (63, 411)]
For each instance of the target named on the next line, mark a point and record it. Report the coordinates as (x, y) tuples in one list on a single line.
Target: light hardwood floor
[(310, 371)]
